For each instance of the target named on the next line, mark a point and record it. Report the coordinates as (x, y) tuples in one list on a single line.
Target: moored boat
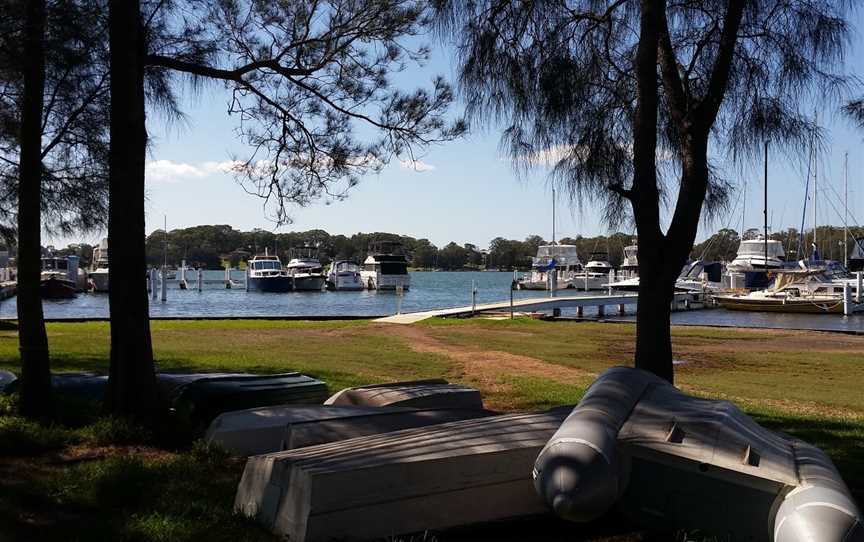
[(61, 277), (98, 275), (751, 256), (306, 270), (558, 264), (386, 267), (265, 274), (630, 264), (800, 291), (344, 275)]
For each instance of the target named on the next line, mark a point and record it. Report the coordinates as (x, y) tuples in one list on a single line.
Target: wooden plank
[(434, 393), (407, 481)]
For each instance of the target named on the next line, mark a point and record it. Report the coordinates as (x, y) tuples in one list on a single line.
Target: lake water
[(429, 290)]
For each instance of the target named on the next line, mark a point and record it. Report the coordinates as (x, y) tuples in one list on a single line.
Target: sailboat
[(800, 291), (558, 267)]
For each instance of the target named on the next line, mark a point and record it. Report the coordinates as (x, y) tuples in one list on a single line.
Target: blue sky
[(467, 191)]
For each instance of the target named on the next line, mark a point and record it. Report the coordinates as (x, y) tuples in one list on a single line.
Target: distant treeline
[(210, 246)]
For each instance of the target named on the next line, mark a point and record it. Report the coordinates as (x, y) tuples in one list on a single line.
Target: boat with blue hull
[(266, 274)]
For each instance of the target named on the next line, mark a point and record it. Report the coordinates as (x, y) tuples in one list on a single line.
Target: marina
[(432, 291)]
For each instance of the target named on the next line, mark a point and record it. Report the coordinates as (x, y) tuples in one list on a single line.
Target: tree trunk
[(131, 386), (653, 333), (32, 339), (653, 339)]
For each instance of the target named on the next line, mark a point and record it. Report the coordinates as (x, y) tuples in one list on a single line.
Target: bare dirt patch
[(485, 367)]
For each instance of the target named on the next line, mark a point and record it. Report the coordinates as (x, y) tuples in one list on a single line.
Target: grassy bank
[(58, 479)]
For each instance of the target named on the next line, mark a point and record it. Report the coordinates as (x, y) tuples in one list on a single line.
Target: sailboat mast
[(765, 206), (553, 215), (846, 209), (165, 244), (815, 181)]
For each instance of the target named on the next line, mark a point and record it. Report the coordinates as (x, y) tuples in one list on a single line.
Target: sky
[(464, 191)]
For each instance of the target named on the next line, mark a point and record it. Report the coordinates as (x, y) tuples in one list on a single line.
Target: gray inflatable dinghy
[(670, 460)]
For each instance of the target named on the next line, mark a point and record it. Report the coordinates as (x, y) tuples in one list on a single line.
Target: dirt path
[(486, 367)]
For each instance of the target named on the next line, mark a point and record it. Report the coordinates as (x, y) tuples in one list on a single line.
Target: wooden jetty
[(407, 481), (600, 302), (431, 393), (273, 429)]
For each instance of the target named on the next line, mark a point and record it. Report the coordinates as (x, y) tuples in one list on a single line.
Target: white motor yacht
[(696, 276), (630, 264), (751, 256), (344, 275), (556, 264), (98, 276), (306, 270), (386, 267), (265, 274), (598, 262)]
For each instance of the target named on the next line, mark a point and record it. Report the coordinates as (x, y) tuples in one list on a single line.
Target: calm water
[(428, 291)]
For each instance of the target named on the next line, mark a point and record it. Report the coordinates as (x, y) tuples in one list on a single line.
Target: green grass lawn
[(56, 481)]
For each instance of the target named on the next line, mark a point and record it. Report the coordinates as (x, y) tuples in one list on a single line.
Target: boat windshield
[(265, 264), (756, 247), (54, 264), (350, 267), (394, 268)]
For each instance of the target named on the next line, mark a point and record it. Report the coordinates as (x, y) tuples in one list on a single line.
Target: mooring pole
[(164, 284), (200, 279), (154, 285), (399, 291), (847, 299), (859, 282)]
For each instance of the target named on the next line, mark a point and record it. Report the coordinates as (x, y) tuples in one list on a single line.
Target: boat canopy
[(756, 247), (348, 266), (55, 264), (265, 264), (564, 255)]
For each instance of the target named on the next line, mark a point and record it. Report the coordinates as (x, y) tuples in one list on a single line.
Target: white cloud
[(167, 171), (227, 166), (416, 165)]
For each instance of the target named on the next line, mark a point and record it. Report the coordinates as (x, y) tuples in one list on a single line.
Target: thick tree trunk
[(653, 340), (132, 387), (32, 340)]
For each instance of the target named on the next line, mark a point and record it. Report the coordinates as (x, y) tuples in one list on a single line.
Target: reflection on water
[(428, 291)]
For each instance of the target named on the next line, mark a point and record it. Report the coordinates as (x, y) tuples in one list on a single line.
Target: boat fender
[(581, 473)]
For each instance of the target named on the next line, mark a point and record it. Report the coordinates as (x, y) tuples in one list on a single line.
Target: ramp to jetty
[(530, 304)]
